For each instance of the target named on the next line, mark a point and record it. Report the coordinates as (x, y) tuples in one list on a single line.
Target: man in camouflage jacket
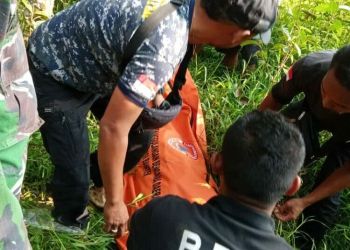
[(75, 58), (18, 120)]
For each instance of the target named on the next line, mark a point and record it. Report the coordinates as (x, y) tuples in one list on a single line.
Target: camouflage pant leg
[(13, 234)]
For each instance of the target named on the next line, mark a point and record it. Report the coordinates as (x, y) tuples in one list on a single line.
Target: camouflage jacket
[(18, 108), (83, 45)]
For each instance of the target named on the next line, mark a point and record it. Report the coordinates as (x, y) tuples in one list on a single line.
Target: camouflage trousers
[(13, 234)]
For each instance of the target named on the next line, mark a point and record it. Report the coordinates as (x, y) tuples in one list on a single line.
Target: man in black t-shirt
[(324, 78), (261, 156)]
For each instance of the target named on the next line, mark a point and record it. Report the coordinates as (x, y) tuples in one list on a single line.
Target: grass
[(303, 26)]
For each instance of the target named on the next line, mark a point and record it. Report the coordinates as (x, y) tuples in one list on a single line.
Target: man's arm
[(115, 125), (4, 20), (270, 103), (337, 181), (288, 87)]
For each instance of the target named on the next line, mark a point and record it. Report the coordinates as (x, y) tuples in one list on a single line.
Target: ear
[(216, 163), (294, 187)]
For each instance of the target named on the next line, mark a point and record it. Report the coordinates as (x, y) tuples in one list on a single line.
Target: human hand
[(158, 99), (290, 210), (116, 218)]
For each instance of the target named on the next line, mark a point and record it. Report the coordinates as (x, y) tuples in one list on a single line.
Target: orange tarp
[(176, 160)]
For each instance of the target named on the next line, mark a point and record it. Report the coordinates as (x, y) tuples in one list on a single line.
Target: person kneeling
[(260, 159)]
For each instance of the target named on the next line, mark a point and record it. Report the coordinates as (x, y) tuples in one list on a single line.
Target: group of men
[(74, 59)]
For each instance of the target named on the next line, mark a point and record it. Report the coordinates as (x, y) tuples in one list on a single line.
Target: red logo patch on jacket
[(145, 87), (289, 75)]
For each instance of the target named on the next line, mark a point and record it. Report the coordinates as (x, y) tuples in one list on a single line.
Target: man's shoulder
[(316, 60), (169, 201), (170, 204), (324, 55), (311, 68), (168, 208)]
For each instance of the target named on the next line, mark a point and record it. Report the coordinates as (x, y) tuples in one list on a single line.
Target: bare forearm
[(270, 103), (111, 155), (337, 181), (115, 125)]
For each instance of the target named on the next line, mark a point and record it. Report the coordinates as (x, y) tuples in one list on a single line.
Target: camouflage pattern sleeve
[(17, 94), (155, 61)]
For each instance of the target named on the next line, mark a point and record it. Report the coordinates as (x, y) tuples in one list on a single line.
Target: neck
[(266, 209), (198, 18)]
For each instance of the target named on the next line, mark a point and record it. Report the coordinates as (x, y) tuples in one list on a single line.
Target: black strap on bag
[(153, 118), (144, 30), (180, 77)]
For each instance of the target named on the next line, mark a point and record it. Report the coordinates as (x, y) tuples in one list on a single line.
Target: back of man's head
[(262, 154), (341, 65), (255, 15)]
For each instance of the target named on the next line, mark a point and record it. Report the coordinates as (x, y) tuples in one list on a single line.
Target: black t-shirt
[(171, 222), (306, 76)]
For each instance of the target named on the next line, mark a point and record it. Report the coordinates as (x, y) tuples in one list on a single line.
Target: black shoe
[(80, 222), (42, 218), (248, 53)]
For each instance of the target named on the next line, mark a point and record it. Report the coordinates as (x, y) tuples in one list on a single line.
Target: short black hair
[(255, 15), (341, 64), (262, 154)]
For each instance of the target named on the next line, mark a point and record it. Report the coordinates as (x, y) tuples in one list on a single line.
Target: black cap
[(255, 15)]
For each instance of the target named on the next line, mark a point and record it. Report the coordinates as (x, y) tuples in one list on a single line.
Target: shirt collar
[(243, 213)]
